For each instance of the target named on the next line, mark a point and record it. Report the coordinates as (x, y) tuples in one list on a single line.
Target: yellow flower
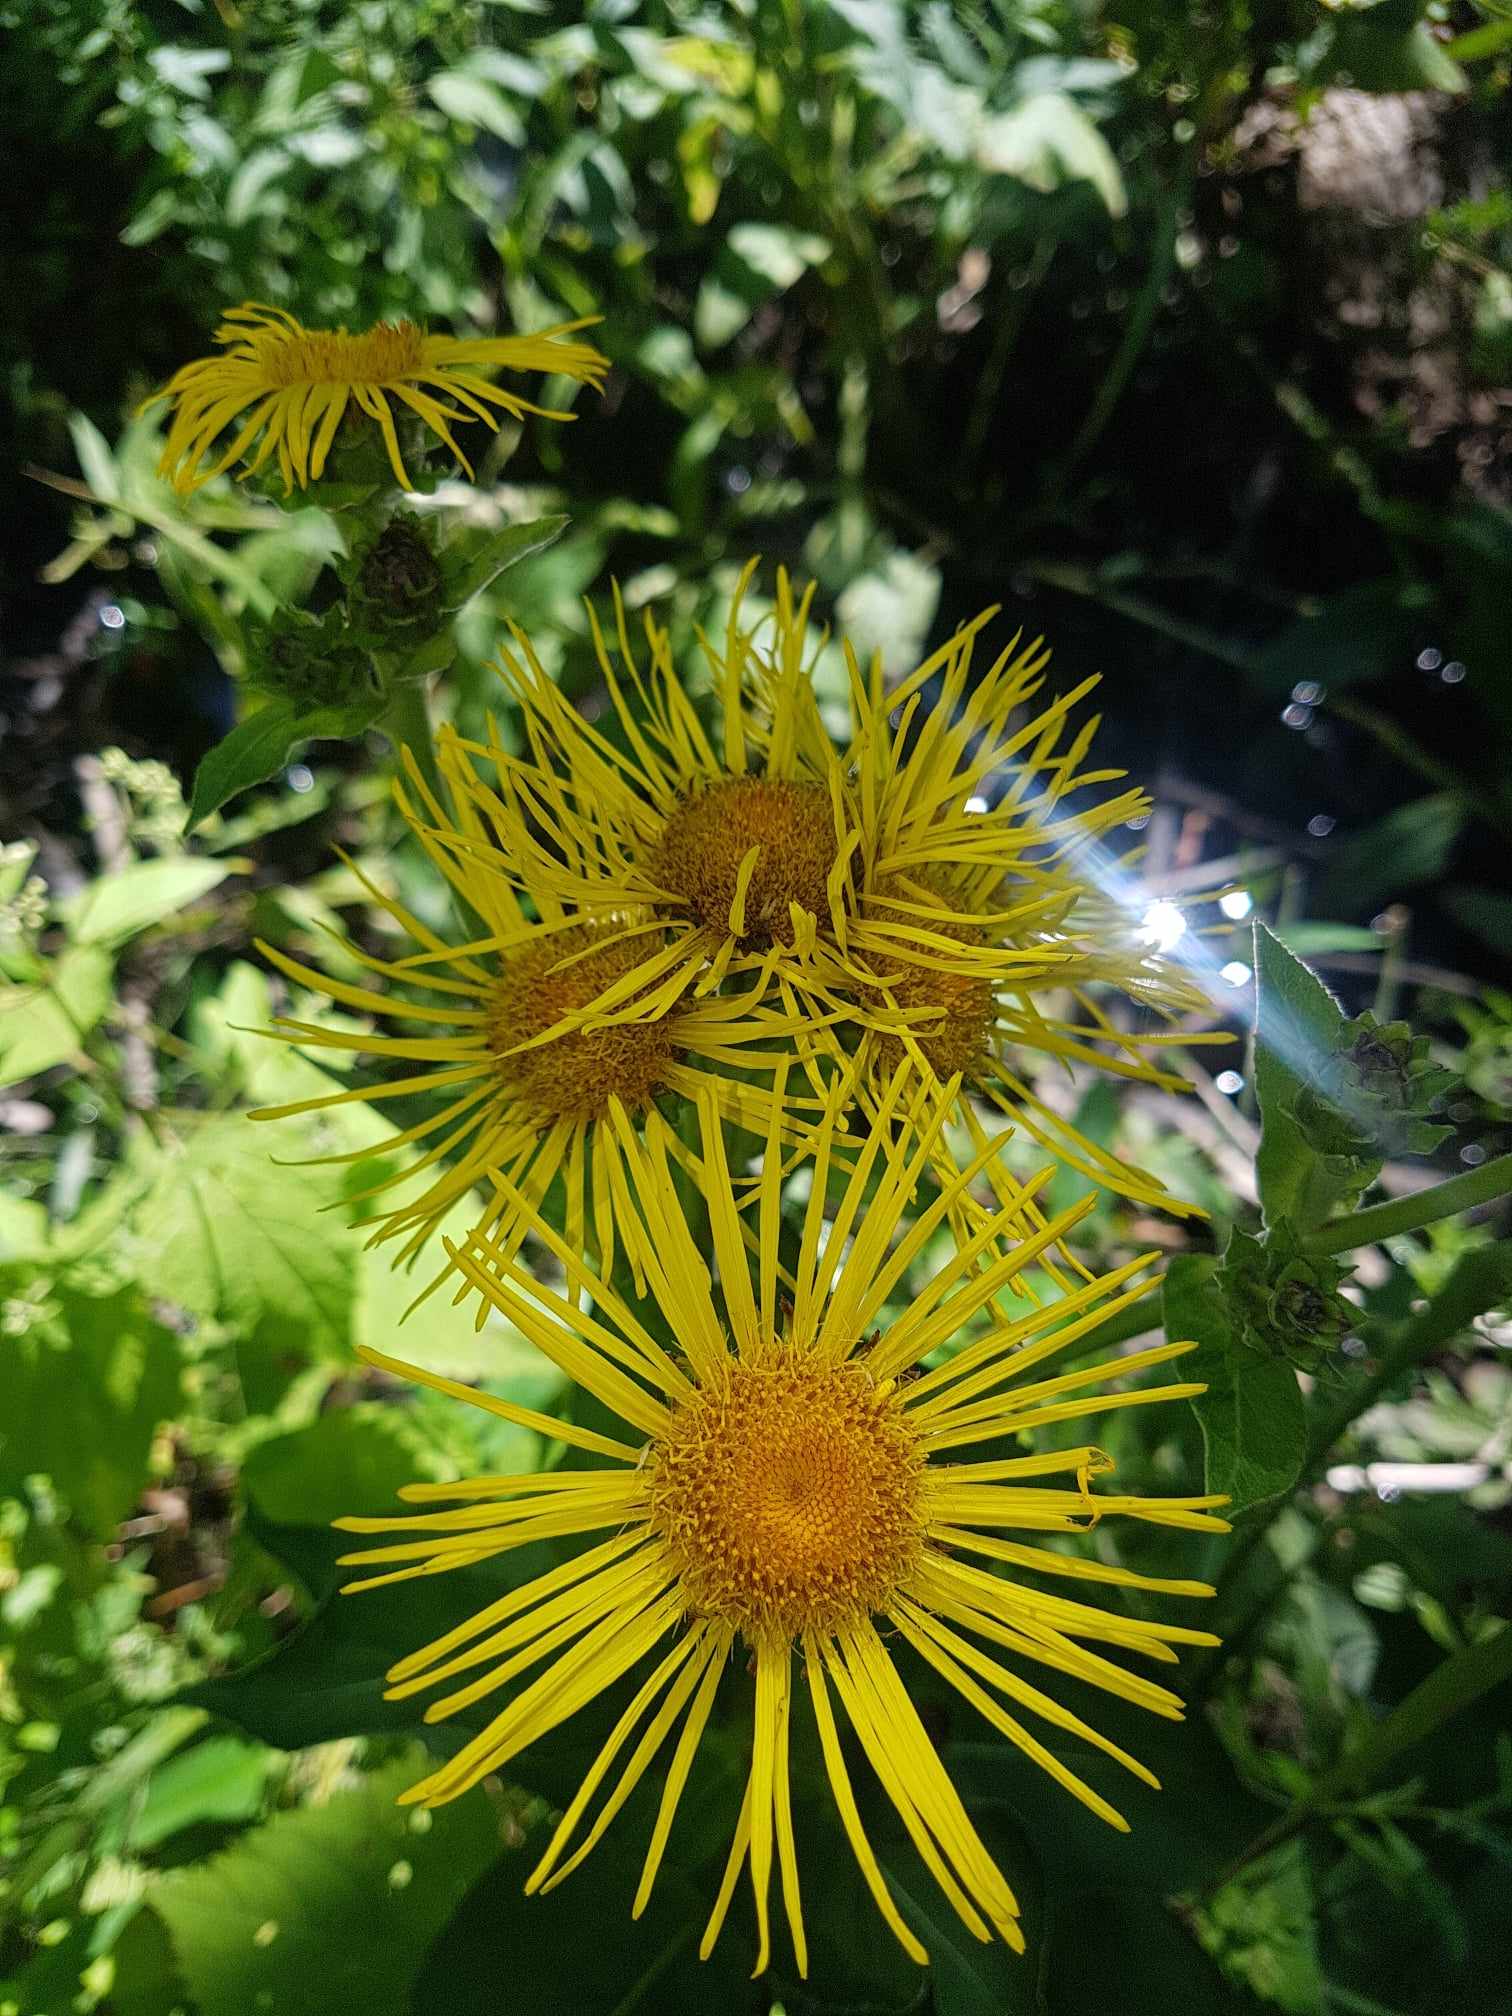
[(513, 1035), (789, 1479), (293, 385), (742, 864)]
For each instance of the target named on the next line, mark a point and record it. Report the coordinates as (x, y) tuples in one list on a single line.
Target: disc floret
[(950, 1014), (788, 1496), (703, 857), (573, 1076)]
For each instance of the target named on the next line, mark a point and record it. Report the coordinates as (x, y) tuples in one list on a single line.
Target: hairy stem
[(1420, 1207)]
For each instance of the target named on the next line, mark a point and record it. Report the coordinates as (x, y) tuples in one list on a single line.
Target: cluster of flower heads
[(661, 909), (690, 948)]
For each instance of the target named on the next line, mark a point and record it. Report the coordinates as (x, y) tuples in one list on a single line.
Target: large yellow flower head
[(738, 856), (501, 1035), (793, 1481), (293, 385)]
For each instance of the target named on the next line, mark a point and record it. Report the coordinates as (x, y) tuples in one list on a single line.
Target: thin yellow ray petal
[(716, 1651), (567, 1826), (734, 1863), (845, 1800), (546, 1425)]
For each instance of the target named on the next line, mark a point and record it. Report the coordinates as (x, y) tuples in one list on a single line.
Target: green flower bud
[(396, 587), (1372, 1095), (309, 660)]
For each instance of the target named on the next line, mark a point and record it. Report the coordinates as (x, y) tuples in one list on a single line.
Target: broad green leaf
[(257, 748), (115, 907), (85, 1379), (328, 1907), (1048, 141), (1110, 1951), (353, 1459), (1412, 844), (476, 102), (1296, 1022), (1253, 1421), (1199, 1818), (45, 1023), (221, 1779), (441, 1334), (326, 1681), (231, 1234), (479, 554)]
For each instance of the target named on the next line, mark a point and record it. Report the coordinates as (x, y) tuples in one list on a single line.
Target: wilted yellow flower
[(293, 385), (508, 1027), (789, 1479)]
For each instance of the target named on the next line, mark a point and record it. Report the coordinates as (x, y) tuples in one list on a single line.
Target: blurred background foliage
[(1185, 331)]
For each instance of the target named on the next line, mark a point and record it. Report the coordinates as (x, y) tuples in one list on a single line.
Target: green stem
[(1421, 1207), (1457, 1682), (1136, 335), (1010, 327), (1477, 1283), (407, 725)]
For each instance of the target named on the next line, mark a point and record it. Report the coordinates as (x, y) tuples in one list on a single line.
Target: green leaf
[(354, 1459), (222, 1779), (1412, 844), (1199, 1819), (45, 1023), (622, 1965), (1115, 1952), (326, 1681), (1388, 47), (477, 102), (1486, 912), (1047, 142), (1315, 936), (257, 748), (329, 1907), (1463, 1679), (1253, 1421), (1297, 1023), (95, 459), (968, 1977), (1362, 633), (479, 555), (115, 907), (755, 263), (84, 1384), (233, 1235)]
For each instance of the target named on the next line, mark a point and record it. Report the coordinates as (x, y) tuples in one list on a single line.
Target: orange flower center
[(703, 849), (572, 1076), (789, 1495)]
